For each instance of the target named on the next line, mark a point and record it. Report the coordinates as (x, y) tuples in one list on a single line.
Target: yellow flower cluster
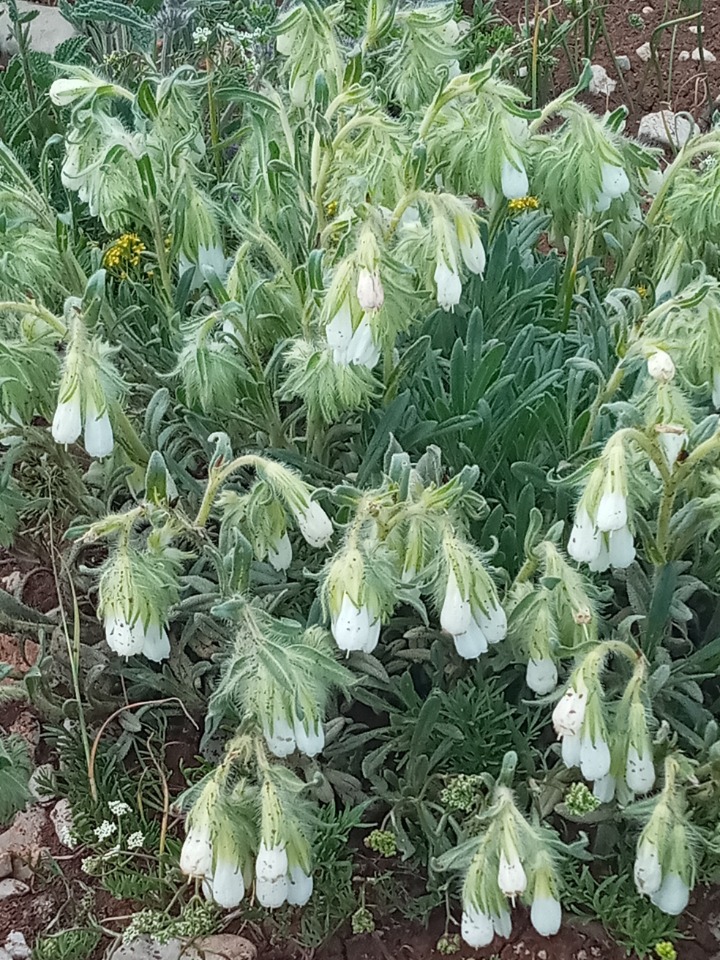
[(665, 950), (331, 208), (642, 291), (125, 252), (522, 204)]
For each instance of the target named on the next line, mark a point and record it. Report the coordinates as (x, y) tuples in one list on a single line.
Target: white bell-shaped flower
[(502, 924), (584, 543), (476, 927), (456, 614), (615, 181), (271, 880), (569, 711), (339, 332), (473, 253), (546, 915), (280, 553), (640, 770), (363, 350), (315, 525), (352, 627), (541, 675), (227, 886), (124, 638), (493, 623), (67, 422), (471, 643), (373, 636), (570, 748), (370, 293), (602, 561), (197, 853), (612, 511), (672, 442), (514, 179), (280, 737), (512, 879), (647, 871), (310, 741), (449, 285), (300, 887), (621, 548), (661, 366), (594, 757), (673, 895), (156, 646), (604, 788)]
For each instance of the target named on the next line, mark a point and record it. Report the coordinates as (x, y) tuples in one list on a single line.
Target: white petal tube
[(310, 743), (271, 881), (611, 512), (67, 422), (502, 924), (647, 870), (570, 747), (594, 758), (476, 928), (449, 286), (280, 553), (352, 627), (604, 788), (569, 711), (621, 548), (196, 853), (122, 638), (493, 624), (315, 525), (584, 542), (227, 884), (541, 675), (456, 615), (156, 646), (472, 642), (546, 916), (673, 895), (514, 179), (640, 770), (511, 875), (99, 440), (280, 738), (300, 887)]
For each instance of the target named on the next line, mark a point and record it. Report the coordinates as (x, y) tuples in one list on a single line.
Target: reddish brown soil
[(689, 85)]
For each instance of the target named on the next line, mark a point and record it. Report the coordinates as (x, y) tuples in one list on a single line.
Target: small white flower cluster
[(201, 35), (119, 808), (135, 840), (105, 830)]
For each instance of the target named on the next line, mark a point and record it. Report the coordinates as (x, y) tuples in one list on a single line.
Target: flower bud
[(511, 875), (280, 553), (661, 367), (541, 676), (315, 525), (471, 247), (271, 880), (196, 854), (67, 422), (449, 285), (546, 915), (476, 927), (514, 179), (370, 293), (640, 770), (300, 887), (67, 90), (569, 712), (672, 896)]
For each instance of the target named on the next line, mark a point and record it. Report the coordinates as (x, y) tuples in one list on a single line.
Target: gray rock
[(226, 946), (12, 888), (145, 948), (223, 946), (61, 817), (648, 10), (24, 837), (601, 84), (644, 51), (623, 62), (684, 55), (47, 31), (16, 945), (6, 865), (667, 128), (40, 779), (707, 56)]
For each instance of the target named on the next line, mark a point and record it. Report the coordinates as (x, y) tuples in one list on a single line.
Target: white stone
[(47, 31), (707, 56), (16, 945), (666, 127), (12, 888), (601, 84), (522, 72), (224, 946), (693, 29), (644, 52), (684, 55), (61, 817), (623, 62), (648, 10)]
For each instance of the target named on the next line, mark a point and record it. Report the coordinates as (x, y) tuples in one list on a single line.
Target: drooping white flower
[(311, 741), (362, 349), (661, 367), (124, 638), (621, 548), (353, 628), (611, 511), (476, 927), (285, 43), (584, 543), (300, 887), (640, 770), (594, 757), (647, 870), (280, 553), (615, 181), (450, 31), (570, 747), (502, 924), (541, 675), (512, 879), (339, 332), (604, 788), (370, 292), (569, 711), (299, 89), (156, 645), (473, 252), (673, 895), (280, 737), (716, 389), (67, 90), (514, 179), (471, 643), (449, 285), (227, 885), (271, 880), (315, 525), (67, 422), (196, 854), (546, 915), (493, 623), (672, 440), (456, 614), (372, 637)]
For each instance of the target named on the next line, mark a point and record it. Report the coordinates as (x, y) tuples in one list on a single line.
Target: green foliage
[(75, 944), (15, 770)]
